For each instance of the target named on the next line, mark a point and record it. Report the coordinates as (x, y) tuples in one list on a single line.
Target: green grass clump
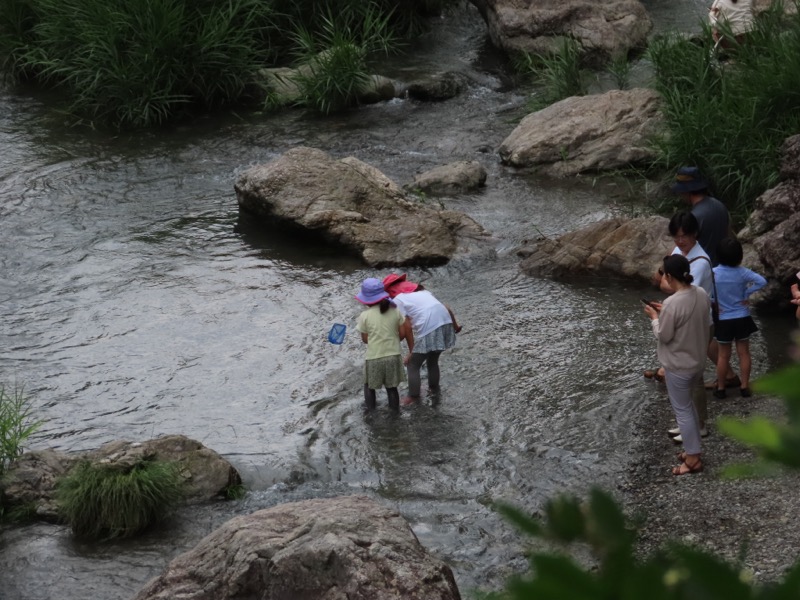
[(336, 56), (104, 501), (729, 113), (16, 425), (136, 63), (558, 73)]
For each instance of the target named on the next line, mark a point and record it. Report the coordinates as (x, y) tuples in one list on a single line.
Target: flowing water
[(136, 301)]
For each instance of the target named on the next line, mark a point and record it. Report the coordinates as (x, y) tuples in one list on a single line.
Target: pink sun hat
[(404, 287)]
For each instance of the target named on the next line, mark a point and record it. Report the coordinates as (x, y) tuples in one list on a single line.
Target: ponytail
[(384, 305)]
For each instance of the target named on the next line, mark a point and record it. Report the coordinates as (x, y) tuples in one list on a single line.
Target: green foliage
[(235, 492), (142, 63), (558, 73), (105, 501), (728, 114), (677, 572), (774, 442), (336, 56), (137, 63), (16, 425), (620, 70)]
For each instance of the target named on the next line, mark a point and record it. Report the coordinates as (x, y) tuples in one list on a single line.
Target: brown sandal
[(685, 468)]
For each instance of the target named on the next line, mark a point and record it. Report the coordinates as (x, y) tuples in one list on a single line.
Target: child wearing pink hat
[(382, 327)]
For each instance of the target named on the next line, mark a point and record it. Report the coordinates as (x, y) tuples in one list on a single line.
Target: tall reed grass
[(102, 501), (558, 73), (142, 63), (137, 63), (729, 113), (16, 425), (336, 55)]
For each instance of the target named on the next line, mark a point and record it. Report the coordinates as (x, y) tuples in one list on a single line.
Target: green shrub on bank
[(16, 425), (142, 63), (558, 73), (105, 501), (729, 111), (136, 63), (336, 56)]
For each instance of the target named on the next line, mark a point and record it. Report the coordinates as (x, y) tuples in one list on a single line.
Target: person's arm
[(364, 338), (754, 282), (456, 326), (409, 335), (662, 322)]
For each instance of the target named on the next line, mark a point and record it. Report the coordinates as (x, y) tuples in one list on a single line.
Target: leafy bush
[(16, 425), (106, 501), (729, 114)]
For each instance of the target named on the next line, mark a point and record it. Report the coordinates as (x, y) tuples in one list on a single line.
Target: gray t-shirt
[(714, 221)]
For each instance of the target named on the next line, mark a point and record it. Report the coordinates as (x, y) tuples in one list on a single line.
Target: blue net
[(336, 334)]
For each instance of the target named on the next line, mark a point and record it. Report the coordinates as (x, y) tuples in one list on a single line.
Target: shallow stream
[(135, 302)]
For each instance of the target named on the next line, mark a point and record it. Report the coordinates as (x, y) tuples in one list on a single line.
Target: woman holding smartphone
[(681, 327)]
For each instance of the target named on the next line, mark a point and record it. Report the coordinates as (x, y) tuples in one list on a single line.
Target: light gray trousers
[(680, 388)]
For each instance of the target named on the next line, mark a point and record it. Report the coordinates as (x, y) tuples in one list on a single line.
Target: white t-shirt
[(700, 269), (737, 15), (425, 311)]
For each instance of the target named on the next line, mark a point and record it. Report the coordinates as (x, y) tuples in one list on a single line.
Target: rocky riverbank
[(750, 522)]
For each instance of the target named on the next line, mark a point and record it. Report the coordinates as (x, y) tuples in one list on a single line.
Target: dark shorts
[(734, 329)]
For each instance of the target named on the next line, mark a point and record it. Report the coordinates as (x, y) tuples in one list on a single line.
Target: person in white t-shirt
[(734, 17), (430, 329)]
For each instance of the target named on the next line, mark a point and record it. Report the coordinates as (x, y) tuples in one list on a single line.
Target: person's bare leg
[(394, 398), (723, 364), (745, 362), (370, 398), (713, 354)]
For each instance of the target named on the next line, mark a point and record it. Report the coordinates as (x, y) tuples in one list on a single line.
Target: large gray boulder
[(604, 29), (773, 228), (32, 479), (629, 247), (347, 548), (587, 133), (352, 204)]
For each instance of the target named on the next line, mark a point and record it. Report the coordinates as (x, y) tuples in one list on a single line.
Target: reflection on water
[(137, 302)]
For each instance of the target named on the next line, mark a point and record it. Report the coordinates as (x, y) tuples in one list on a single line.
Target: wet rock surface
[(354, 205), (328, 549)]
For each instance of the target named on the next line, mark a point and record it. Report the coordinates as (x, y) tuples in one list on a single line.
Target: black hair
[(729, 252), (677, 267), (384, 304), (685, 221)]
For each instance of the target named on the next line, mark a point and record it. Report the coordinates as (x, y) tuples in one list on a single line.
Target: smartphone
[(648, 302)]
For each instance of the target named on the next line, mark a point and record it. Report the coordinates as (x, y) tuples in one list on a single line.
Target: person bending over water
[(430, 330)]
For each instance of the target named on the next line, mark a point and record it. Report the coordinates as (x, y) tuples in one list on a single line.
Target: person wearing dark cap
[(711, 214)]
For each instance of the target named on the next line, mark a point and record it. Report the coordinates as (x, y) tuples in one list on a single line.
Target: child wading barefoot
[(735, 284), (382, 327)]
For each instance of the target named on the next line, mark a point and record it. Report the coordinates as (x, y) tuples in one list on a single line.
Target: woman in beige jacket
[(681, 325)]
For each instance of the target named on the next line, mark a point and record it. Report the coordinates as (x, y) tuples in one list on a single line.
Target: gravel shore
[(750, 522)]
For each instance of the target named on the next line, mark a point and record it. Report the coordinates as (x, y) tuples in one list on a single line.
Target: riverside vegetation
[(727, 112), (143, 63), (101, 501), (16, 426)]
